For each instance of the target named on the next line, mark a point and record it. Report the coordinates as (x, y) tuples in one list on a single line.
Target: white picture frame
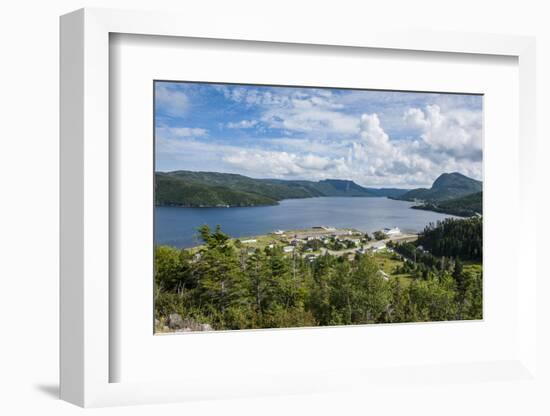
[(86, 356)]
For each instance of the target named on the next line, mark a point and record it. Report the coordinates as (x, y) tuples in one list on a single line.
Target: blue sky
[(376, 138)]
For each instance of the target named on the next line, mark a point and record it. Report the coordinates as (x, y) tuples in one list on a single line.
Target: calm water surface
[(178, 226)]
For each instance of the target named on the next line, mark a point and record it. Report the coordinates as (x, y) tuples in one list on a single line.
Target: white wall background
[(29, 206)]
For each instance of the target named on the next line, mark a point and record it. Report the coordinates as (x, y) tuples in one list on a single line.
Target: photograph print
[(287, 206)]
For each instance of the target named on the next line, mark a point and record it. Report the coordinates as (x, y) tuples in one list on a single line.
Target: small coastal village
[(310, 243)]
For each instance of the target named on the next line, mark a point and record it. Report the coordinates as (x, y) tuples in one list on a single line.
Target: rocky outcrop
[(176, 323)]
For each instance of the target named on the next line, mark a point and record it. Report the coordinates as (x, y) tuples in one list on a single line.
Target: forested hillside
[(465, 206), (446, 186), (210, 189), (170, 190)]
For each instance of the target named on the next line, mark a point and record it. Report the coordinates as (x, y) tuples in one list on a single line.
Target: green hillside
[(171, 190), (210, 189), (445, 187), (326, 187), (388, 192)]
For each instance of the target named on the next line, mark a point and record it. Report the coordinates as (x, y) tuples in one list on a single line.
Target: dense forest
[(172, 191), (465, 206), (224, 285), (452, 238)]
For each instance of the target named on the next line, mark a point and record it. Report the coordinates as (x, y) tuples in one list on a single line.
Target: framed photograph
[(281, 213), (286, 206)]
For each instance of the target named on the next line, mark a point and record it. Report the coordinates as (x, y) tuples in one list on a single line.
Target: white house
[(378, 246), (288, 249)]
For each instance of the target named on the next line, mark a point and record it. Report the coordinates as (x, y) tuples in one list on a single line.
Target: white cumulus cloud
[(456, 133)]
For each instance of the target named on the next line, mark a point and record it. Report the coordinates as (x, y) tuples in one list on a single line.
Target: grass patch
[(261, 241), (389, 262)]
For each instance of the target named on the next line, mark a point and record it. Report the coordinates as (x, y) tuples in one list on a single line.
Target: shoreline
[(278, 202), (418, 207), (335, 241), (446, 212)]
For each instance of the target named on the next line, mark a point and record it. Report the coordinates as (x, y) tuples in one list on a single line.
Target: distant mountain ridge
[(447, 186), (213, 189)]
